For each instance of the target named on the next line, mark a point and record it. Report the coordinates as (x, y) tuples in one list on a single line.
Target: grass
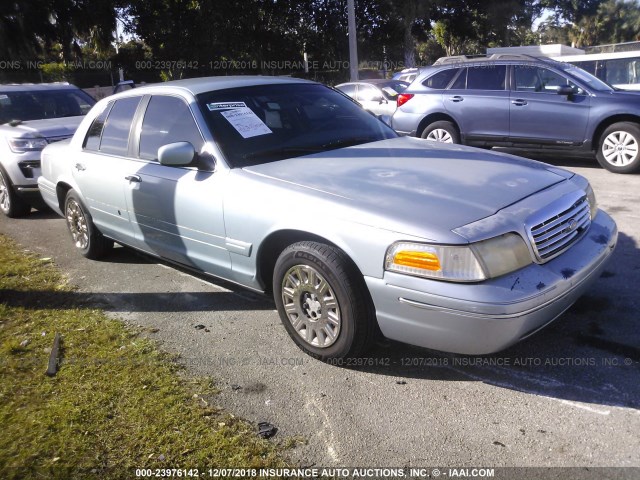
[(117, 403)]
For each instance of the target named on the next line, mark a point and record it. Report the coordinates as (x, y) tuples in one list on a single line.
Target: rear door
[(540, 115), (479, 102), (101, 169)]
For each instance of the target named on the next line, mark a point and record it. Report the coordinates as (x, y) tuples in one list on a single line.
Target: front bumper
[(487, 317)]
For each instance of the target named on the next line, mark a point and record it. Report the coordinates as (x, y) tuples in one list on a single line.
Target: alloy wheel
[(311, 306), (440, 135), (620, 148), (77, 222)]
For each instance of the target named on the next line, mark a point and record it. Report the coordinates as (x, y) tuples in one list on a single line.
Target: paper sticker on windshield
[(247, 123), (225, 105)]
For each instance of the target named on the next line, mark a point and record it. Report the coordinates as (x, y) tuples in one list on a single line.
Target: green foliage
[(116, 403), (56, 72)]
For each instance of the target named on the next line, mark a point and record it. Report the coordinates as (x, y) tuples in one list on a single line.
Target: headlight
[(593, 204), (473, 263), (21, 145)]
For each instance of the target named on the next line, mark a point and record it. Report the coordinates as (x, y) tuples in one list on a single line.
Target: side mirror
[(176, 154), (565, 90)]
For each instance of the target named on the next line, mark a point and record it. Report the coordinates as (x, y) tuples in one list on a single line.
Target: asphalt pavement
[(568, 396)]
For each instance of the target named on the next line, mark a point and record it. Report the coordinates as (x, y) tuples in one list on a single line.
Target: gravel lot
[(569, 396)]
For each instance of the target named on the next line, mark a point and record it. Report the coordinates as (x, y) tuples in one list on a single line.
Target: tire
[(10, 203), (85, 235), (619, 148), (323, 301), (441, 131)]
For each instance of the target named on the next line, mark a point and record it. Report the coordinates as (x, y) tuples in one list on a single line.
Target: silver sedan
[(288, 187)]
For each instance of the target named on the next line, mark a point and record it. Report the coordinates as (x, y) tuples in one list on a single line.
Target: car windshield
[(266, 123), (593, 82), (41, 104)]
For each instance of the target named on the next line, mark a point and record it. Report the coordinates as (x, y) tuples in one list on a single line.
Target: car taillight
[(404, 98)]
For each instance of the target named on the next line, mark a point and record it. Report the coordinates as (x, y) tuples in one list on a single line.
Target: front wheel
[(442, 131), (619, 148), (322, 301), (86, 237), (10, 203)]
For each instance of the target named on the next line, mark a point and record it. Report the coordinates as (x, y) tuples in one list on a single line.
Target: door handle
[(456, 98), (80, 167), (133, 178), (519, 102)]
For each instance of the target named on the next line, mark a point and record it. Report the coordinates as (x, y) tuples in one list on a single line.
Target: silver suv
[(31, 117)]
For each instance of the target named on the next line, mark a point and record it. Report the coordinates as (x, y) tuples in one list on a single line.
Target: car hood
[(50, 128), (403, 184)]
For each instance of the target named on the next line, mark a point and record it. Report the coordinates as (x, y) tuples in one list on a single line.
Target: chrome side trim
[(238, 246)]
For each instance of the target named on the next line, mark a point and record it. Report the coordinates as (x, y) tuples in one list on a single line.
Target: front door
[(540, 115)]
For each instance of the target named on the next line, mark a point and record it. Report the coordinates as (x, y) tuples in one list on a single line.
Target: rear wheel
[(619, 148), (441, 131), (10, 203), (86, 237), (322, 301)]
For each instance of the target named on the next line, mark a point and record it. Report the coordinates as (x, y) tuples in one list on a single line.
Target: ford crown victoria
[(288, 187)]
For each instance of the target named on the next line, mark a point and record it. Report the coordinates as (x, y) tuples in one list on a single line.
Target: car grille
[(558, 232)]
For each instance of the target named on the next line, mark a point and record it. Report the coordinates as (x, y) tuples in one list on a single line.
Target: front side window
[(538, 79), (368, 93), (348, 90), (167, 120), (115, 134)]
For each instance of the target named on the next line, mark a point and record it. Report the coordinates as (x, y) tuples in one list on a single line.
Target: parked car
[(522, 101), (31, 117), (287, 186), (378, 96)]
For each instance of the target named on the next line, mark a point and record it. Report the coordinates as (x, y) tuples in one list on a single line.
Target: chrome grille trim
[(556, 232)]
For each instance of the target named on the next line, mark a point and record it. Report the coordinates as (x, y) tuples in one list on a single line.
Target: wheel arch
[(62, 188), (273, 245), (607, 122)]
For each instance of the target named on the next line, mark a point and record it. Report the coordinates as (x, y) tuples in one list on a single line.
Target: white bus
[(620, 69)]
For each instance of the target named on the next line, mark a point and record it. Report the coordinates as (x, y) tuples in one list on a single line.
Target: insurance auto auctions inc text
[(404, 472)]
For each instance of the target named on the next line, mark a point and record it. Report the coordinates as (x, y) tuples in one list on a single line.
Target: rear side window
[(441, 79), (115, 134), (489, 77), (167, 120), (483, 77), (92, 140)]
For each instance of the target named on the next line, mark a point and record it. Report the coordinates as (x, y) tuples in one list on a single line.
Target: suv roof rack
[(495, 56)]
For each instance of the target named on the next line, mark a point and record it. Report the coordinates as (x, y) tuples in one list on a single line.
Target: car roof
[(496, 57), (374, 81), (207, 84), (36, 87)]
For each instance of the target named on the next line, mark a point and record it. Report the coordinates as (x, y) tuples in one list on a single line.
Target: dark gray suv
[(522, 101)]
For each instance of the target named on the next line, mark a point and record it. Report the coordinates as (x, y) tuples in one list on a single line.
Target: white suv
[(31, 117)]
